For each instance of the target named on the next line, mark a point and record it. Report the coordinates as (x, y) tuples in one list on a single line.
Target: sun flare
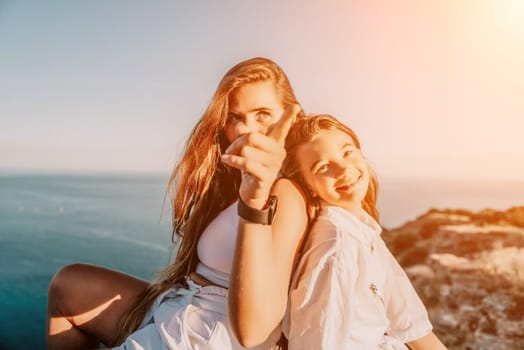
[(511, 15)]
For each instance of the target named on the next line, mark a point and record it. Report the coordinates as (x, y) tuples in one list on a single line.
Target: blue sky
[(433, 88)]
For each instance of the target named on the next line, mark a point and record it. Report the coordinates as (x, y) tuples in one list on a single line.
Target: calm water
[(50, 221)]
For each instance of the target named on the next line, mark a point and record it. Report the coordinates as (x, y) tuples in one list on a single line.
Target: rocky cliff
[(468, 269)]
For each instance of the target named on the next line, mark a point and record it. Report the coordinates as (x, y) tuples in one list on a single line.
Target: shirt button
[(375, 291)]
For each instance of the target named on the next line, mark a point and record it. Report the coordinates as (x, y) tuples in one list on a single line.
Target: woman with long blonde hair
[(223, 194)]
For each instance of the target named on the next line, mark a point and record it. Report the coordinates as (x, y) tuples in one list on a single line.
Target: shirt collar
[(365, 230)]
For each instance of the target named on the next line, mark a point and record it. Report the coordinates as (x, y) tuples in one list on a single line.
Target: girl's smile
[(348, 186), (334, 169)]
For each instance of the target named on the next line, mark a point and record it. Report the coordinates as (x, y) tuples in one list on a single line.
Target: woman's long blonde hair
[(201, 186), (303, 131)]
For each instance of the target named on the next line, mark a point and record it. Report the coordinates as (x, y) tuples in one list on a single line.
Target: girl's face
[(252, 108), (334, 169)]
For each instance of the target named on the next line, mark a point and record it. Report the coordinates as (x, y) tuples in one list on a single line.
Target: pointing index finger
[(279, 131)]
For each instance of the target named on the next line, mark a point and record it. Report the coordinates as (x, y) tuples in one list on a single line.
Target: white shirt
[(349, 292)]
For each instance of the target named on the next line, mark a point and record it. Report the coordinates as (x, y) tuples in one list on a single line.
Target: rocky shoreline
[(468, 268)]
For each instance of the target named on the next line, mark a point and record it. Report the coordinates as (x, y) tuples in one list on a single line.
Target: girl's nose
[(340, 170), (345, 169)]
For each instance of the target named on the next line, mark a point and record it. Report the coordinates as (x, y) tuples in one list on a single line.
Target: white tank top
[(217, 243)]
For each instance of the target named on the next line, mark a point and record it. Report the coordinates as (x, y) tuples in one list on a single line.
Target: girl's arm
[(406, 312), (428, 342)]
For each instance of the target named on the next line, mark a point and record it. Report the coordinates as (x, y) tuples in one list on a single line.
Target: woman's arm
[(264, 254), (262, 267), (428, 342)]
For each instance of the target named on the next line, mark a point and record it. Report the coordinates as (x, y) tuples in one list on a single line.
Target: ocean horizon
[(121, 221)]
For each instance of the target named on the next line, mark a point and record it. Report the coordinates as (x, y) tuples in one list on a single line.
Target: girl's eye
[(323, 168), (348, 151), (263, 117)]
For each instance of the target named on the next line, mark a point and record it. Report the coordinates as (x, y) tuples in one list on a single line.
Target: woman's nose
[(251, 125), (241, 129)]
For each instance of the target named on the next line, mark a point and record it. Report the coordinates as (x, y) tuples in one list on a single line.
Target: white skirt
[(189, 318)]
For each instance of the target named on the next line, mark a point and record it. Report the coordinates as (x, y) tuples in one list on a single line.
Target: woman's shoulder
[(289, 194), (286, 185)]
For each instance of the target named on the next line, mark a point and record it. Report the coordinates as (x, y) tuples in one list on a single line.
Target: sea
[(122, 221)]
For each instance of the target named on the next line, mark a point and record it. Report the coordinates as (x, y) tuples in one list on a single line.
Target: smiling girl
[(348, 291)]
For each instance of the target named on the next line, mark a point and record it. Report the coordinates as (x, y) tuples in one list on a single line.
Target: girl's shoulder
[(338, 224), (324, 234), (332, 219)]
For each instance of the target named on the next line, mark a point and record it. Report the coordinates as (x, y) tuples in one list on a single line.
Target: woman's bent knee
[(62, 285), (65, 278), (77, 288)]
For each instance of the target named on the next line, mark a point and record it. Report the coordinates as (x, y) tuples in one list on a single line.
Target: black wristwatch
[(263, 216)]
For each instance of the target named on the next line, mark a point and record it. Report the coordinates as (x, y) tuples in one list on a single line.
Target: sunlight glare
[(511, 14)]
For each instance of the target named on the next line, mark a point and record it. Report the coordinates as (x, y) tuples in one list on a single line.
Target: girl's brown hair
[(303, 131), (201, 186)]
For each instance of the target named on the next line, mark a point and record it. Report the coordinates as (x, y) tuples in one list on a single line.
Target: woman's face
[(334, 169), (252, 108)]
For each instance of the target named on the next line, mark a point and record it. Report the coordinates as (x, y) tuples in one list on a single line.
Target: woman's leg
[(85, 305)]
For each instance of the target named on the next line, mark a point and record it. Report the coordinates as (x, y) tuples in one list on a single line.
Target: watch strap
[(260, 216)]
